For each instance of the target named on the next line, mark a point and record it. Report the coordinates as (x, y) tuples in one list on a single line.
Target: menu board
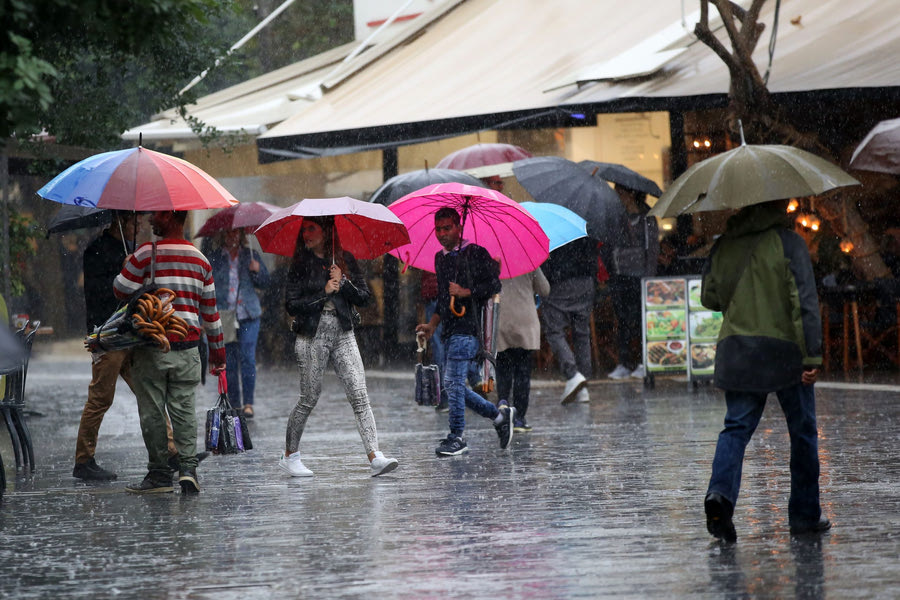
[(665, 325), (679, 333)]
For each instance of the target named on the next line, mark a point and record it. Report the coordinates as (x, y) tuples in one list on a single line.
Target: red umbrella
[(480, 155), (366, 230), (238, 216)]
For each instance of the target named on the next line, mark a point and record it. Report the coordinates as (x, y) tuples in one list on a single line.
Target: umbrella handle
[(461, 312)]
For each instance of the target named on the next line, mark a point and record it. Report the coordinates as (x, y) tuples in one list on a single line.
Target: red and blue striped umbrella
[(137, 179)]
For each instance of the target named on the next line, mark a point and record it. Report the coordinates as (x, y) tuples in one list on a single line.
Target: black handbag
[(428, 378)]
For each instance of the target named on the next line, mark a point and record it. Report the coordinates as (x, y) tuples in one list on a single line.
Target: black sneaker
[(821, 526), (174, 465), (153, 483), (91, 471), (189, 481), (505, 427), (452, 445), (718, 517)]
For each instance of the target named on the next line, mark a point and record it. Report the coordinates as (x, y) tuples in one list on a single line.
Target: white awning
[(493, 64)]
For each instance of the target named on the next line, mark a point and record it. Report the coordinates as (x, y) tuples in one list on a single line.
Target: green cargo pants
[(165, 382)]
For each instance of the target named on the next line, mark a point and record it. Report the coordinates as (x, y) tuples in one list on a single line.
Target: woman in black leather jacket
[(324, 286)]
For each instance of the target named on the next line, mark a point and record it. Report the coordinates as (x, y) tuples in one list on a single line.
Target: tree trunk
[(765, 122)]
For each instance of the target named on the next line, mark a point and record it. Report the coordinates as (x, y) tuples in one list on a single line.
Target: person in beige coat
[(518, 336)]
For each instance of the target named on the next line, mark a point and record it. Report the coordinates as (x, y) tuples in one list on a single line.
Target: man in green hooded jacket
[(760, 276)]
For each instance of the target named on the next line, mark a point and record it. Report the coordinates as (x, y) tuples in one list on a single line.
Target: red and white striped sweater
[(184, 270)]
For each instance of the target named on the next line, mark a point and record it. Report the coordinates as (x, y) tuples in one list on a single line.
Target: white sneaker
[(575, 383), (293, 466), (639, 372), (582, 395), (381, 465), (620, 372)]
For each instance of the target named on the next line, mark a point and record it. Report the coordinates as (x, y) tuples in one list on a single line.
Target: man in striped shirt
[(164, 382)]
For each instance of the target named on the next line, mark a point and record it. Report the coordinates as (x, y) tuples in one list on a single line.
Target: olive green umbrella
[(749, 174)]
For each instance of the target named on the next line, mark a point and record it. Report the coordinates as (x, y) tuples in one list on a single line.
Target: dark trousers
[(626, 298), (741, 418), (514, 378)]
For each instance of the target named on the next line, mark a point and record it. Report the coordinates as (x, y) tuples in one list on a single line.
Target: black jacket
[(305, 292), (477, 272), (103, 259)]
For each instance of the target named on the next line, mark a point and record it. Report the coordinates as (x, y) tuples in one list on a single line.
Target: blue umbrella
[(559, 223)]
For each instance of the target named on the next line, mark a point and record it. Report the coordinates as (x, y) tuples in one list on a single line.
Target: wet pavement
[(600, 500)]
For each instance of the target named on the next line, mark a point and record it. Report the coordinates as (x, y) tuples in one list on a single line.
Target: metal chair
[(13, 404)]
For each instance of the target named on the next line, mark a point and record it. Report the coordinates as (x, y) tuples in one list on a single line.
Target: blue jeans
[(744, 410), (461, 350), (240, 363), (438, 354)]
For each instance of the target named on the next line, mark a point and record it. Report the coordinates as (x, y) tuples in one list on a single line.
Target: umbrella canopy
[(483, 154), (499, 224), (880, 149), (559, 223), (622, 175), (137, 179), (238, 216), (560, 181), (400, 185), (364, 229), (70, 217), (750, 174)]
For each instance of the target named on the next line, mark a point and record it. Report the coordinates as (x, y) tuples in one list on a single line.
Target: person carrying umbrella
[(164, 382), (760, 276), (467, 277), (239, 272), (632, 254), (324, 285)]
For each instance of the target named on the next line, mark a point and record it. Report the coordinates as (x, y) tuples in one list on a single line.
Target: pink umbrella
[(238, 216), (480, 155), (365, 230), (490, 219)]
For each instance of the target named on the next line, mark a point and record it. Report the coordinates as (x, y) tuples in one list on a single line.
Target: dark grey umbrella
[(70, 217), (622, 175), (400, 185), (12, 351), (561, 181)]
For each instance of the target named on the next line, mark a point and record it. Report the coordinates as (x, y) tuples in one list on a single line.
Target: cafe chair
[(13, 403)]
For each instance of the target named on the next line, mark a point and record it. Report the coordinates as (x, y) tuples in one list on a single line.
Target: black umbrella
[(622, 175), (561, 181), (71, 217), (400, 185)]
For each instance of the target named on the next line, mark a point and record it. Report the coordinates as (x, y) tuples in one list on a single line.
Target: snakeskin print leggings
[(330, 342)]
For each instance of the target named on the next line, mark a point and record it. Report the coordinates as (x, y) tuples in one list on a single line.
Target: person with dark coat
[(571, 271), (760, 276), (467, 277), (632, 255), (103, 259), (324, 286)]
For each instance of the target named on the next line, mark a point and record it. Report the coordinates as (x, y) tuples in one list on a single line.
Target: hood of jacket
[(756, 218)]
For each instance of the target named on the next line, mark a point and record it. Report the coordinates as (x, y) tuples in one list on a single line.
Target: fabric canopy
[(526, 63)]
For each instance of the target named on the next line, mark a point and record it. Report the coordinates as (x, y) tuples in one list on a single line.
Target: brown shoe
[(248, 411)]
